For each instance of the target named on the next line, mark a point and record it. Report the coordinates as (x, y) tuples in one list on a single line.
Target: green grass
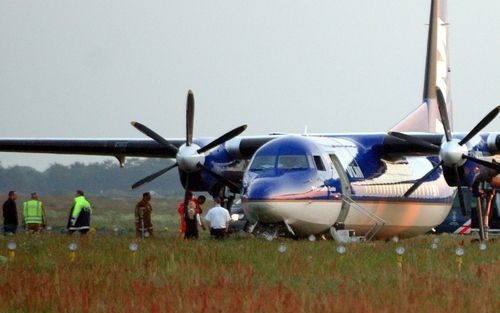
[(245, 275), (109, 213), (241, 274)]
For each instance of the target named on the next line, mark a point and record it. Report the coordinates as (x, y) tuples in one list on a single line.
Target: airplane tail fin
[(426, 117)]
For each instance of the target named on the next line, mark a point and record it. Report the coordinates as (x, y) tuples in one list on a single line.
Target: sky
[(85, 69)]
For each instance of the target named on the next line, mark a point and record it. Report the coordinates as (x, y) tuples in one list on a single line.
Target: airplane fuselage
[(311, 183)]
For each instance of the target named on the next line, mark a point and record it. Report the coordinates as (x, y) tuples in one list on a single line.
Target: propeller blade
[(493, 166), (152, 176), (421, 180), (482, 124), (189, 118), (222, 139), (156, 137), (443, 111), (463, 208), (220, 178), (415, 141)]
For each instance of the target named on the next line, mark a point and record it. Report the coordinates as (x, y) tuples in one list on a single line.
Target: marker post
[(133, 247), (11, 247), (459, 253), (72, 247), (400, 251)]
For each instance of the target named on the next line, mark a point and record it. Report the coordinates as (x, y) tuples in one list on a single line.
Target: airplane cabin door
[(345, 187)]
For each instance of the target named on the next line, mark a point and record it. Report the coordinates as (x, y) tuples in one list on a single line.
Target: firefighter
[(34, 214), (79, 217), (143, 209)]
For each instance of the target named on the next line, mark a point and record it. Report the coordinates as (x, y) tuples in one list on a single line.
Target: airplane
[(377, 185)]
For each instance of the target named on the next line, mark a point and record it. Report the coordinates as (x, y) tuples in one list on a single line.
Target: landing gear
[(484, 202)]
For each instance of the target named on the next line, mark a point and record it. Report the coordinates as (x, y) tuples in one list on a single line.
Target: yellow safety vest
[(32, 211)]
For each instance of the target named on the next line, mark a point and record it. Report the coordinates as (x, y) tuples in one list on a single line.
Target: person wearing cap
[(79, 216), (218, 217), (34, 214), (142, 212)]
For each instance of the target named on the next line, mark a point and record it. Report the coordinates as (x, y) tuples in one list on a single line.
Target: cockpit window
[(292, 162), (263, 162)]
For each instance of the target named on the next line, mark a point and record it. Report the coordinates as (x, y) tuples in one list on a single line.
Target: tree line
[(100, 178)]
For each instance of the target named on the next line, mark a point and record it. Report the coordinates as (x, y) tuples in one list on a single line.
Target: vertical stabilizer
[(426, 117)]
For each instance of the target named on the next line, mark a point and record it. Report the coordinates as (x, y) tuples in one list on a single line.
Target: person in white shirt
[(218, 217)]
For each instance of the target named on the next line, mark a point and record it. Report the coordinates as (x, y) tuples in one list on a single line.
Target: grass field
[(110, 213), (241, 274)]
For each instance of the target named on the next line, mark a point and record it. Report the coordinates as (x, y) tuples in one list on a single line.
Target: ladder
[(378, 221)]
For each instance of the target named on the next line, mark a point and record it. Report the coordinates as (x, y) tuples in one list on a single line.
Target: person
[(190, 222), (33, 214), (79, 216), (200, 201), (143, 210), (218, 217), (10, 220)]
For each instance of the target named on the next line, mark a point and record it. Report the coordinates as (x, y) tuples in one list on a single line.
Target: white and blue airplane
[(401, 183)]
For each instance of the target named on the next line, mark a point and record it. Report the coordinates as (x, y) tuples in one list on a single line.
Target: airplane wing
[(111, 147), (243, 147)]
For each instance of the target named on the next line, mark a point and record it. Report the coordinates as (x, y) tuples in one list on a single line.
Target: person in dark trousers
[(193, 217), (218, 217), (192, 221), (79, 216), (10, 220), (142, 212)]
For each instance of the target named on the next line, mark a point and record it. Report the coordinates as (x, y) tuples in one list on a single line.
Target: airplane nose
[(258, 200), (261, 189)]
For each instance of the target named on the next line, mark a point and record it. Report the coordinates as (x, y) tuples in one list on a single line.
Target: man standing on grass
[(10, 220), (33, 214), (143, 210), (79, 216), (218, 217)]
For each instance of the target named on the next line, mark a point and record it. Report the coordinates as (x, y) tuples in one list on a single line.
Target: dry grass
[(109, 213), (245, 275)]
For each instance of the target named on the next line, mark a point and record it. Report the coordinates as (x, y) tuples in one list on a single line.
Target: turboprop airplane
[(401, 183)]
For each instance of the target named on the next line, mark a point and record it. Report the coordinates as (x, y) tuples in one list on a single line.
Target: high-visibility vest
[(32, 211), (81, 204)]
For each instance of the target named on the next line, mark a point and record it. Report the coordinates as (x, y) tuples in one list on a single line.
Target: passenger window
[(319, 163)]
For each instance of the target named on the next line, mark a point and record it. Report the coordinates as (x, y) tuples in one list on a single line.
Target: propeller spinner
[(189, 157)]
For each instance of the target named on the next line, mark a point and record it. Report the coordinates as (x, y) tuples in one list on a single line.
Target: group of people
[(218, 217), (34, 218)]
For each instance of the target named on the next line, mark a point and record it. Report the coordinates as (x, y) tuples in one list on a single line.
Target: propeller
[(189, 157), (453, 153)]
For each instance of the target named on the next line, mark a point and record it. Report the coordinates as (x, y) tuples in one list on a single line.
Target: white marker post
[(12, 246), (460, 253), (72, 247), (400, 251), (133, 247), (341, 250)]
